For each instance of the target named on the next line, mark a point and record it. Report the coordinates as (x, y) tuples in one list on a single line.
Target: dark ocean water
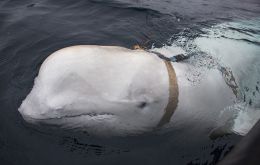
[(30, 30)]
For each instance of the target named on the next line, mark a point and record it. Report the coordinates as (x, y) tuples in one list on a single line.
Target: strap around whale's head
[(173, 95)]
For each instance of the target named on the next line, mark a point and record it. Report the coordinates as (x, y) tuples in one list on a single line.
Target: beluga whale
[(112, 90), (103, 89)]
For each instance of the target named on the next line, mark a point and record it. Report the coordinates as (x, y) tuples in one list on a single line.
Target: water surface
[(213, 33)]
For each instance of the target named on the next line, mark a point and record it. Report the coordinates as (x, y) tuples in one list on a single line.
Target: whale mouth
[(90, 115)]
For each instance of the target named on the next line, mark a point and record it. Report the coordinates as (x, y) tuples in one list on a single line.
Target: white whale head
[(103, 90)]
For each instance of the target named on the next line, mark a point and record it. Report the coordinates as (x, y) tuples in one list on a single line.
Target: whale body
[(101, 89), (111, 91)]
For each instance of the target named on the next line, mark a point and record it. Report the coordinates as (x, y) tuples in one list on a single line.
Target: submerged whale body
[(100, 89)]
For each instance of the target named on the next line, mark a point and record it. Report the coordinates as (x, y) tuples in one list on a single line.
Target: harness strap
[(173, 85), (173, 95)]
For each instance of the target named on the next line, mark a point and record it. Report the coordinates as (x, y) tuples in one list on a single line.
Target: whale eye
[(142, 104)]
